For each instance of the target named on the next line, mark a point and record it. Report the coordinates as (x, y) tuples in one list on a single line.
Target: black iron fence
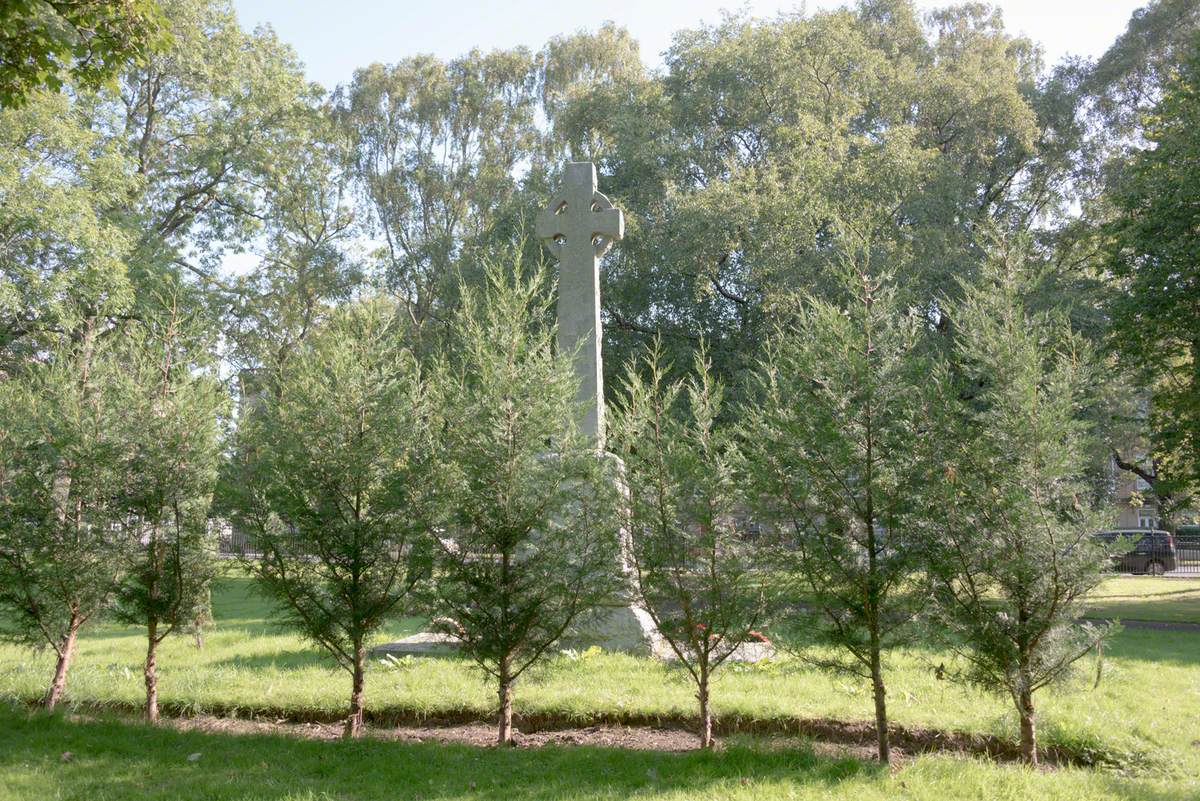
[(233, 543), (1154, 553)]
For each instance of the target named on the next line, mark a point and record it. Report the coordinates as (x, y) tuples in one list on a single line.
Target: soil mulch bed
[(476, 734), (824, 736)]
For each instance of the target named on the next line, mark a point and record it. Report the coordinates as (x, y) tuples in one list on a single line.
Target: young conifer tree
[(331, 482), (834, 440), (528, 531), (171, 426), (62, 546), (1015, 557), (695, 570)]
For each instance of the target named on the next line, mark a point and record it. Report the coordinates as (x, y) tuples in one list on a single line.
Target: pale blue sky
[(333, 37)]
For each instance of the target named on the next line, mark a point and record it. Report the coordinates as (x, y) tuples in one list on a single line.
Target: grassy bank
[(1141, 713), (113, 760), (1147, 598)]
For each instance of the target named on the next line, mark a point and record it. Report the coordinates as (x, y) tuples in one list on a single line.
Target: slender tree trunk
[(706, 725), (66, 649), (150, 671), (881, 710), (355, 721), (873, 605), (504, 718), (1028, 724), (881, 720)]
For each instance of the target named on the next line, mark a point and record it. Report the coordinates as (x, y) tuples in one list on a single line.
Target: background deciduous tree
[(436, 145), (41, 41), (734, 165), (63, 267), (1155, 260), (308, 263)]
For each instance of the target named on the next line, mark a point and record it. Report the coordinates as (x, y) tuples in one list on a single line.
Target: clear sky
[(333, 37)]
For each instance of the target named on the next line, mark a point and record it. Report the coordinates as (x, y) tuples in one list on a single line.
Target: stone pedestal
[(626, 628), (424, 644)]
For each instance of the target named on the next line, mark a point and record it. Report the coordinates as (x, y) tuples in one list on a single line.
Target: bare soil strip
[(824, 735)]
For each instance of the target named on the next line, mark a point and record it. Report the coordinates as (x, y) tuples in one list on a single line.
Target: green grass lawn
[(1142, 714), (1173, 600), (113, 761)]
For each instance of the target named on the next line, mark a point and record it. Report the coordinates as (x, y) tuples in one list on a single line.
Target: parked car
[(1150, 552)]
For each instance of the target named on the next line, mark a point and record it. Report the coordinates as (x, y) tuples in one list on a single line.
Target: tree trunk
[(66, 649), (150, 671), (881, 721), (1028, 725), (706, 726), (355, 721), (504, 718)]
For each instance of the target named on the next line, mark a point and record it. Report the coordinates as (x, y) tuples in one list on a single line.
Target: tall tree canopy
[(89, 41), (1155, 262), (733, 164), (110, 194)]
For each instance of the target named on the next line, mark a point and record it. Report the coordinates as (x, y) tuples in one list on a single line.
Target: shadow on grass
[(113, 759), (280, 660), (1147, 645), (1148, 596)]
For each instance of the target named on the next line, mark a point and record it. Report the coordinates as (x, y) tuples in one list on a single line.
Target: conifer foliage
[(1014, 556), (332, 482), (696, 570), (527, 535)]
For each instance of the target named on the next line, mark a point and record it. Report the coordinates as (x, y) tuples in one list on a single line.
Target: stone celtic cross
[(578, 226)]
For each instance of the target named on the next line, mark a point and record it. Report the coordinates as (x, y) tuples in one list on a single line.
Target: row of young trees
[(887, 482), (108, 458), (894, 484), (767, 172), (370, 479), (882, 476)]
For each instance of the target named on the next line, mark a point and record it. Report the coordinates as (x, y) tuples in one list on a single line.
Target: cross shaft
[(579, 225)]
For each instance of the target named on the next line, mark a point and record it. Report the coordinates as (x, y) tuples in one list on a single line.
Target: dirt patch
[(825, 736), (638, 738), (643, 739), (477, 734), (216, 725)]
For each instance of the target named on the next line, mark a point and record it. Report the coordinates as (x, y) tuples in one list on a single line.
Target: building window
[(1141, 484), (1148, 519)]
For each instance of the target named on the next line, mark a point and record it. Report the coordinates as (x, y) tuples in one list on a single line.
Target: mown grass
[(1170, 600), (112, 760), (1142, 713)]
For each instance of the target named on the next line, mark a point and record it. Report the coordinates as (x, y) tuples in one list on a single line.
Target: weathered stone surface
[(746, 652), (578, 226), (424, 644), (619, 627)]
